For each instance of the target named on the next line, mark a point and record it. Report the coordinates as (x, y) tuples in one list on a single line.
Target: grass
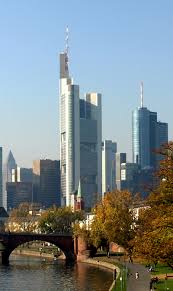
[(121, 282), (163, 285), (161, 269), (46, 250)]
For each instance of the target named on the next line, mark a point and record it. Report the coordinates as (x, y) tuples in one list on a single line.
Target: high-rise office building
[(1, 191), (46, 182), (120, 158), (69, 132), (80, 139), (7, 175), (109, 150), (17, 193), (22, 175), (147, 135), (162, 138), (90, 148), (128, 173)]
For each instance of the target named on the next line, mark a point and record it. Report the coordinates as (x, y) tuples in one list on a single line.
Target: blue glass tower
[(147, 135)]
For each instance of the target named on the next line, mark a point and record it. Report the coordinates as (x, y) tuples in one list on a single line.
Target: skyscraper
[(109, 150), (80, 139), (90, 148), (69, 132), (1, 191), (7, 175), (22, 175), (147, 135)]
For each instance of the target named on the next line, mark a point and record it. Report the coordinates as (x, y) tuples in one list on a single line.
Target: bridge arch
[(10, 241)]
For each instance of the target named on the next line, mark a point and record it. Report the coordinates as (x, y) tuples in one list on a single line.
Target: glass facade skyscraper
[(109, 150), (90, 148), (147, 135), (141, 136)]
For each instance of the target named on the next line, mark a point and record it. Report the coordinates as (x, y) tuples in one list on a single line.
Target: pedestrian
[(137, 275), (151, 285)]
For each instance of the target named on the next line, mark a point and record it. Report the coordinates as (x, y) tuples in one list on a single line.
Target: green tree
[(59, 220)]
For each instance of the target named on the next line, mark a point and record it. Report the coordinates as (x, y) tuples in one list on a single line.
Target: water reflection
[(26, 273)]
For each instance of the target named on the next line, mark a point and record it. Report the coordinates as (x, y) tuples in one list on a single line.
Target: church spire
[(79, 193)]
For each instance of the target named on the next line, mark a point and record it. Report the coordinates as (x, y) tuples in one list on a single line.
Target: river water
[(31, 273)]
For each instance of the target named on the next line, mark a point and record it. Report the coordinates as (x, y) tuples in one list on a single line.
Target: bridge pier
[(70, 257), (4, 258)]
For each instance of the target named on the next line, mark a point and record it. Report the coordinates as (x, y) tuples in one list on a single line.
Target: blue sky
[(114, 44)]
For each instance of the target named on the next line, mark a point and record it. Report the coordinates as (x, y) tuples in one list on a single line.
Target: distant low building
[(17, 193), (46, 182), (3, 218)]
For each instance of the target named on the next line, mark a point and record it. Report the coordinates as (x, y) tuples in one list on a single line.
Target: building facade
[(22, 175), (109, 150), (120, 158), (17, 193), (69, 132), (46, 182), (147, 136), (7, 175), (90, 148), (129, 171), (1, 179), (80, 140)]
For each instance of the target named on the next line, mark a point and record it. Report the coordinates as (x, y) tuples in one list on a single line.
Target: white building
[(80, 140), (69, 132)]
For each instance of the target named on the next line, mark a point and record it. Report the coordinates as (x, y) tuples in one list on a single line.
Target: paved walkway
[(141, 284)]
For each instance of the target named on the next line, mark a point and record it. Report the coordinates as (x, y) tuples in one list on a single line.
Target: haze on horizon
[(113, 46)]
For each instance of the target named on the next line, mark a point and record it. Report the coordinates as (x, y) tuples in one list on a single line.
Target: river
[(31, 273)]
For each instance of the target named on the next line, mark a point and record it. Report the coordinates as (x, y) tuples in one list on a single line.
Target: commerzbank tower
[(80, 139)]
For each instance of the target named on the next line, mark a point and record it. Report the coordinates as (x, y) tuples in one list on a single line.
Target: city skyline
[(111, 57)]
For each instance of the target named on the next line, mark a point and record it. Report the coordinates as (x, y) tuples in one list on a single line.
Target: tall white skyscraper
[(69, 132), (80, 139)]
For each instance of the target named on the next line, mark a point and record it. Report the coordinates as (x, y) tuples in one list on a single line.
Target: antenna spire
[(67, 49), (142, 93), (66, 41)]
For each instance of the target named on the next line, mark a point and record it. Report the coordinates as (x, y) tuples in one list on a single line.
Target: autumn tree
[(20, 219), (113, 221), (59, 220), (154, 240)]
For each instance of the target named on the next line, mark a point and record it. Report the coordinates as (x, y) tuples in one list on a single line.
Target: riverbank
[(35, 254), (107, 263)]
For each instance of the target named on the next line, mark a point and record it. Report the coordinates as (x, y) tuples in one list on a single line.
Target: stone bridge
[(10, 241)]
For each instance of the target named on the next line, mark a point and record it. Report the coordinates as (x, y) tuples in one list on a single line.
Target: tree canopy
[(154, 240), (59, 220), (20, 219), (113, 220)]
